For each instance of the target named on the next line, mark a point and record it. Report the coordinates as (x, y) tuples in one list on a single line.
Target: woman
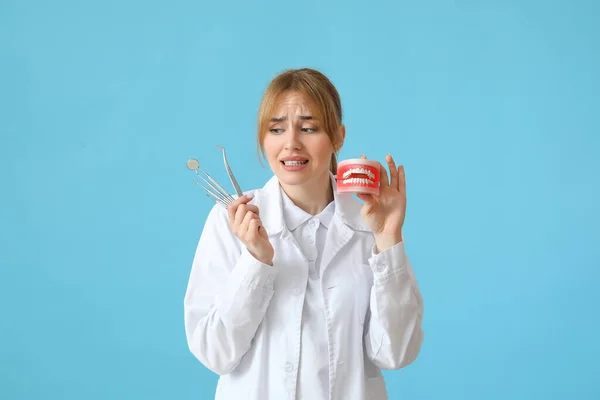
[(297, 292)]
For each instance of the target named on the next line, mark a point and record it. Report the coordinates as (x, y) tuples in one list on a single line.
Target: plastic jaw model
[(358, 175)]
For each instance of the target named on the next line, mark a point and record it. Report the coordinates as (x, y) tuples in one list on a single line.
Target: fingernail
[(250, 195)]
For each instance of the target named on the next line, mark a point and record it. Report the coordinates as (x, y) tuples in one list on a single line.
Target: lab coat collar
[(295, 216), (347, 209)]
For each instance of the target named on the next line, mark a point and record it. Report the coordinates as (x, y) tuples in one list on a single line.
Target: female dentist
[(295, 291)]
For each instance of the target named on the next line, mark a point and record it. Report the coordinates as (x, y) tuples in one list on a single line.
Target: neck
[(313, 196)]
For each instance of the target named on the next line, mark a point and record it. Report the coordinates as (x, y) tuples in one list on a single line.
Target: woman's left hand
[(384, 213)]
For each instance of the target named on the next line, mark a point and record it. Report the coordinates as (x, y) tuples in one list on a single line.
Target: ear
[(341, 135)]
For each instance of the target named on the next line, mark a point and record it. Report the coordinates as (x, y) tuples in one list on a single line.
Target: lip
[(293, 168), (293, 158)]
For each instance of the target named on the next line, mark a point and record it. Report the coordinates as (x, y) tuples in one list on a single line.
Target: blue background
[(492, 106)]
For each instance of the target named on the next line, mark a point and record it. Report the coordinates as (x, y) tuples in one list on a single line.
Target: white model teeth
[(358, 181), (363, 171), (294, 163)]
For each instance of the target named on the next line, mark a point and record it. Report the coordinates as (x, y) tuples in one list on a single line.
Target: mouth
[(294, 163)]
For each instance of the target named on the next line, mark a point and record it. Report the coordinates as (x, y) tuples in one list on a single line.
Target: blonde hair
[(321, 93)]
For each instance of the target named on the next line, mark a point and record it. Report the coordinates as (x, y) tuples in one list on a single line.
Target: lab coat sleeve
[(393, 331), (227, 296)]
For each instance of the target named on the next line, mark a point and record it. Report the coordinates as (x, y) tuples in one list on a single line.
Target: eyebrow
[(302, 117)]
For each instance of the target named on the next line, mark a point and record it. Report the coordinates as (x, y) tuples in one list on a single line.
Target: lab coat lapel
[(270, 207), (338, 236), (268, 201)]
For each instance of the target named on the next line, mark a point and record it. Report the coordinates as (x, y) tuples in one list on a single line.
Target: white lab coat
[(243, 318)]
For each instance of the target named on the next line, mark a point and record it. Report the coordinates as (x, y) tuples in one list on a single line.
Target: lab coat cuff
[(254, 273), (390, 262)]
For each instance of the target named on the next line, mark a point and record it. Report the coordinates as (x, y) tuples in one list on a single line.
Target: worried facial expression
[(297, 147)]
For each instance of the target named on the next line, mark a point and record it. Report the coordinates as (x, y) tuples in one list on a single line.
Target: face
[(297, 147)]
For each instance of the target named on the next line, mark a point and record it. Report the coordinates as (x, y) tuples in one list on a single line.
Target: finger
[(253, 232), (231, 214), (393, 171), (246, 223), (232, 208), (253, 208), (240, 213), (383, 176), (401, 179), (241, 200), (262, 231), (363, 156)]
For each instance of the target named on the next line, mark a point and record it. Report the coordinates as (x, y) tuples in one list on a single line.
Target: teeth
[(293, 163), (358, 181), (359, 170)]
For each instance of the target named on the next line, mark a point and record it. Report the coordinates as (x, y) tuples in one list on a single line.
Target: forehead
[(293, 102)]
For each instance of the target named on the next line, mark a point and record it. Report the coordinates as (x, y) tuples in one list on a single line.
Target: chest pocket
[(363, 277)]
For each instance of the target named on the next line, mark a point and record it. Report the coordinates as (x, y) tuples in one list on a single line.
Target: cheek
[(323, 148), (271, 148)]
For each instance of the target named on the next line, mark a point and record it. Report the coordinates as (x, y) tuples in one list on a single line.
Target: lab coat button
[(297, 291), (288, 367), (381, 267), (269, 280), (311, 258)]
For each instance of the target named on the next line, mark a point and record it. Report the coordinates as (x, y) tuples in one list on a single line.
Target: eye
[(308, 129), (276, 130)]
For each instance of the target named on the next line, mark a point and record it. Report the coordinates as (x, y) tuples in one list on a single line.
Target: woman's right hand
[(246, 225)]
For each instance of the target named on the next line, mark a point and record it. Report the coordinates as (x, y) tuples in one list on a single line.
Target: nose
[(292, 140)]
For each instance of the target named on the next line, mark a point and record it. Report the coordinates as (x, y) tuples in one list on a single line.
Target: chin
[(288, 178), (300, 178)]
